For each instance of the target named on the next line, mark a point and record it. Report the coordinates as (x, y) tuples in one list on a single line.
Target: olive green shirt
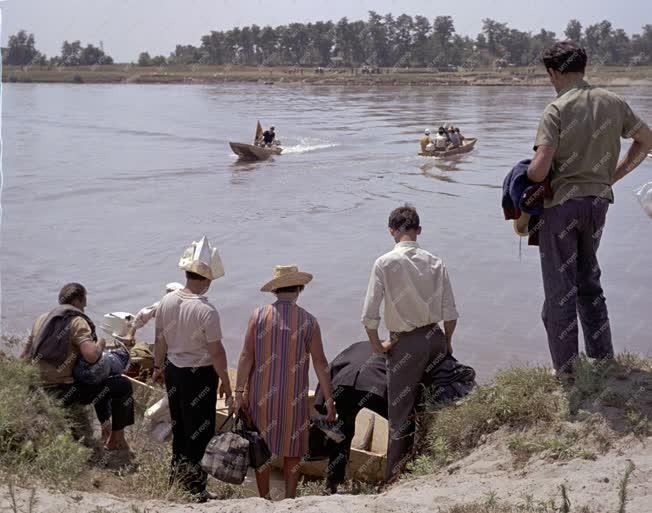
[(584, 126)]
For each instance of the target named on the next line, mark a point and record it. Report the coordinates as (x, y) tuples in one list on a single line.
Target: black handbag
[(259, 453)]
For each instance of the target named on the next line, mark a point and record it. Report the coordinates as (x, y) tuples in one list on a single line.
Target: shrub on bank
[(35, 431)]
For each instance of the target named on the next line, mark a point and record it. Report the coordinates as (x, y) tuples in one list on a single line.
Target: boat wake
[(306, 145)]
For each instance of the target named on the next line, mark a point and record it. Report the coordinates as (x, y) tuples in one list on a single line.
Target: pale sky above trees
[(127, 27)]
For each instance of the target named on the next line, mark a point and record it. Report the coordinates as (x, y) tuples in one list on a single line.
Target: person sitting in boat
[(425, 140), (359, 380), (441, 139), (454, 138), (269, 136), (147, 314), (457, 131)]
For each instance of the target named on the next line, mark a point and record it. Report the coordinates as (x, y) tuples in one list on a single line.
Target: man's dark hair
[(404, 218), (565, 57), (194, 276), (71, 292), (293, 288)]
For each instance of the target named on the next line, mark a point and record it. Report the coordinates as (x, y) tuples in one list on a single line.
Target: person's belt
[(427, 327)]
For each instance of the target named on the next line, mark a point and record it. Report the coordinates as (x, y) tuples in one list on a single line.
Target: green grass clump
[(517, 398), (35, 431)]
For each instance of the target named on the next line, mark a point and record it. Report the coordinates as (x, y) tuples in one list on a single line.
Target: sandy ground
[(487, 471)]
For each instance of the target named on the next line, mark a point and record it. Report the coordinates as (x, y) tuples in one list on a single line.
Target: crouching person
[(59, 339)]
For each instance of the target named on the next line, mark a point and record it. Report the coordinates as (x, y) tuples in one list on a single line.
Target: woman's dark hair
[(293, 288), (194, 276), (71, 292), (565, 57), (404, 218), (457, 130)]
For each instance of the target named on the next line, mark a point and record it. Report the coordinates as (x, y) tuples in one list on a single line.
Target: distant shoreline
[(610, 76)]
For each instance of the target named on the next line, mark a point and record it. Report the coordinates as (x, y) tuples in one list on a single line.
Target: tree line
[(380, 41)]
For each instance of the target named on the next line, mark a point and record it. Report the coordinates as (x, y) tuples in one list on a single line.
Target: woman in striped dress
[(272, 384)]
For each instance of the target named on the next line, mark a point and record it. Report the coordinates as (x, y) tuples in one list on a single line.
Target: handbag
[(259, 453), (227, 456)]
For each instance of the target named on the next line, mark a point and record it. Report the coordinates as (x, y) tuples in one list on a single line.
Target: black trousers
[(568, 245), (192, 394), (112, 399), (348, 403)]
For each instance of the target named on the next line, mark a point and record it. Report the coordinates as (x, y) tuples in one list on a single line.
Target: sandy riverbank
[(204, 74), (484, 478)]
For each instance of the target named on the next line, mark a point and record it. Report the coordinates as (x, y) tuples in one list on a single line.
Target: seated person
[(425, 140), (269, 136), (147, 314), (454, 138), (58, 340), (441, 139), (359, 380), (457, 131)]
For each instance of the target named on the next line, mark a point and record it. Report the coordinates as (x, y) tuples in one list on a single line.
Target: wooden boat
[(254, 151), (368, 450), (467, 146)]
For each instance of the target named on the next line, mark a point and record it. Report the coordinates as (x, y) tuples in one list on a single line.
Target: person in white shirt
[(190, 355), (417, 295), (441, 140), (146, 314)]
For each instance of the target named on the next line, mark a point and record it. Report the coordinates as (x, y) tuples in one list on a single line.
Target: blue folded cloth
[(111, 363)]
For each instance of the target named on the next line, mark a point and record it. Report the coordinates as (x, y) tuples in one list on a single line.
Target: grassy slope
[(539, 418)]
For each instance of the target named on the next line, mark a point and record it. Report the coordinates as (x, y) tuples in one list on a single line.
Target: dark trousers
[(192, 394), (112, 399), (348, 404), (568, 243), (406, 363)]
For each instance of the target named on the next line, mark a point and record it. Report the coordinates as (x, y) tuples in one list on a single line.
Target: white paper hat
[(203, 259)]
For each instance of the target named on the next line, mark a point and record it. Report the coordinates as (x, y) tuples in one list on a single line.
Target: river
[(107, 184)]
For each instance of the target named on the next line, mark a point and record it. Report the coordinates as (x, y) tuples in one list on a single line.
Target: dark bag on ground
[(259, 453), (227, 456)]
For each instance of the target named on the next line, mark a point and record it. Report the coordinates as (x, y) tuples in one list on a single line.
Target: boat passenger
[(146, 314), (425, 140), (441, 140), (457, 131), (269, 136), (454, 138)]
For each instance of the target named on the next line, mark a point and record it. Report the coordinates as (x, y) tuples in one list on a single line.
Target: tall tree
[(443, 30), (574, 31), (21, 49), (495, 33)]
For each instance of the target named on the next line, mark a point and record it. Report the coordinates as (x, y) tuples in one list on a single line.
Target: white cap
[(172, 286), (203, 259), (427, 131)]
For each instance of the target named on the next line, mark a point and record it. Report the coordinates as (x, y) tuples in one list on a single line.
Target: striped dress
[(278, 382)]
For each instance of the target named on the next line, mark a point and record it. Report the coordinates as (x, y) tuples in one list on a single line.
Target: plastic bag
[(158, 422), (644, 195)]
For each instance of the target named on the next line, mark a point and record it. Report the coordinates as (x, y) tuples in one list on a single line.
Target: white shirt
[(441, 141), (145, 315), (189, 323), (415, 288)]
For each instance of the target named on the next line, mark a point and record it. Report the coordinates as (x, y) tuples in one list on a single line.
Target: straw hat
[(203, 259), (286, 276), (521, 225)]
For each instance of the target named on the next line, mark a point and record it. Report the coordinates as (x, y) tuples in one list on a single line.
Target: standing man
[(190, 354), (577, 148), (417, 295)]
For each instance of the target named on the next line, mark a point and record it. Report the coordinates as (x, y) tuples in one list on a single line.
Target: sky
[(127, 27)]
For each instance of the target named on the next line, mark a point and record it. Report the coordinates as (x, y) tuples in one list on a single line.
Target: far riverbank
[(616, 76)]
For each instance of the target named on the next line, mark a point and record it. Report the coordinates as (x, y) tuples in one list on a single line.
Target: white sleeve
[(145, 315)]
